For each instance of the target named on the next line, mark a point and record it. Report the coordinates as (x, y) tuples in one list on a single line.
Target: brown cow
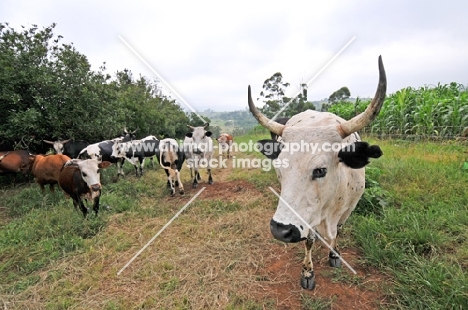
[(46, 169), (81, 179), (12, 162), (225, 143)]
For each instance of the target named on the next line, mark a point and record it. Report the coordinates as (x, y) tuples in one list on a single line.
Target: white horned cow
[(200, 151), (319, 189)]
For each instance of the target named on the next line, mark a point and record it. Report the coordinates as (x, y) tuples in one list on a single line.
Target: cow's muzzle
[(96, 187), (286, 233)]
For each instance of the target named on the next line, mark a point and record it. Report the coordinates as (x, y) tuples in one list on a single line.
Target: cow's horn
[(191, 127), (272, 126), (206, 125), (365, 118), (49, 142)]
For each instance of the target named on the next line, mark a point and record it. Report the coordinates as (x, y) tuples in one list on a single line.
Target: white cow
[(201, 151), (320, 186)]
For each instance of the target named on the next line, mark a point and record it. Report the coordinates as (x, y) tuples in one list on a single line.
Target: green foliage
[(440, 111), (274, 98), (419, 238), (48, 91), (374, 199), (340, 95)]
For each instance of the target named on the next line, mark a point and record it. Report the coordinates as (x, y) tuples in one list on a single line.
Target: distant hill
[(229, 121)]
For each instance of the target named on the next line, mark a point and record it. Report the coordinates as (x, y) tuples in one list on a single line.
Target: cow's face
[(309, 183), (57, 145), (223, 139), (321, 185), (90, 170), (200, 139)]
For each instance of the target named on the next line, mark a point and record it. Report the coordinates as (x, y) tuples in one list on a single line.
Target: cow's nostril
[(96, 187)]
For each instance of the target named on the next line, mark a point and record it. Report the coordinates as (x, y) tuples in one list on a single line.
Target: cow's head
[(57, 145), (128, 135), (223, 138), (316, 182), (200, 138), (90, 170)]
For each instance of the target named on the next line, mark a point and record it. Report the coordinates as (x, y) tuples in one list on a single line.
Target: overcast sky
[(210, 51)]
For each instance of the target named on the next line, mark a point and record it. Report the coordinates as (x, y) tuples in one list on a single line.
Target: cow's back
[(46, 169), (16, 161)]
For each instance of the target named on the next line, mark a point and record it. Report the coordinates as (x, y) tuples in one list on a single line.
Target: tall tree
[(339, 95)]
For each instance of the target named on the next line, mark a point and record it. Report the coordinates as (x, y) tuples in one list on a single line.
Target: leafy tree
[(48, 91), (339, 95), (273, 93)]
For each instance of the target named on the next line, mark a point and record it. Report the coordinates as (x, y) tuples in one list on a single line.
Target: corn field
[(439, 112)]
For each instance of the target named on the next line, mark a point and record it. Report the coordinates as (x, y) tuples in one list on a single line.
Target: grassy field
[(407, 240)]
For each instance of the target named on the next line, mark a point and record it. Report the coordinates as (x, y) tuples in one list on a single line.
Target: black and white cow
[(320, 186), (102, 151), (171, 157), (67, 147), (135, 151), (201, 151)]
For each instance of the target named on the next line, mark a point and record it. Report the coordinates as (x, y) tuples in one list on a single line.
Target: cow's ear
[(208, 133), (270, 148), (189, 134), (356, 155), (104, 164)]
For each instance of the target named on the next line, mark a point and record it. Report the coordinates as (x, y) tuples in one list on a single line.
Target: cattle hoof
[(181, 192), (308, 283), (194, 185), (172, 193), (210, 182), (334, 260)]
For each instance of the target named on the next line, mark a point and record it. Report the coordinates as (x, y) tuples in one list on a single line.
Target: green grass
[(411, 226), (420, 239)]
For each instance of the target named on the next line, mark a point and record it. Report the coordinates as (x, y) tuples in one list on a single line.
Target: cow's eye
[(319, 173), (84, 174), (99, 171)]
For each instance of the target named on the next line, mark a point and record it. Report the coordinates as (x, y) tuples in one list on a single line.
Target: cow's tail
[(171, 157)]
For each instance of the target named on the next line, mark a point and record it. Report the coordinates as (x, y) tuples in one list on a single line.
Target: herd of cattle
[(76, 165), (319, 190)]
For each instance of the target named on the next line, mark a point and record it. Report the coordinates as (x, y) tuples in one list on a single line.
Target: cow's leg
[(307, 273), (80, 203), (333, 256), (210, 178), (120, 168), (196, 178), (96, 204), (142, 165), (181, 186), (170, 181)]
